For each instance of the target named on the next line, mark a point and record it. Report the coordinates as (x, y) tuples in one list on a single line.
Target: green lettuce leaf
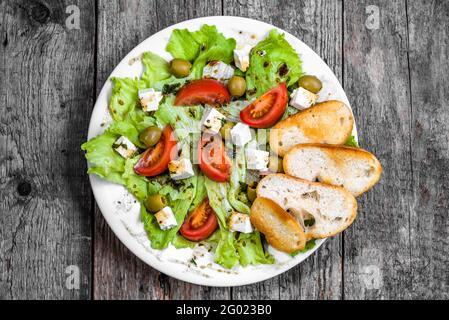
[(201, 192), (124, 105), (182, 45), (351, 142), (136, 185), (104, 160), (272, 61), (217, 194), (200, 46), (226, 254), (156, 68), (184, 120), (124, 97), (160, 239), (179, 242), (250, 249), (236, 193), (309, 245), (124, 128)]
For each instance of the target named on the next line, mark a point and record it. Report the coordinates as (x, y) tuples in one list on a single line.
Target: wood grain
[(429, 82), (46, 81), (118, 274), (377, 248), (319, 25)]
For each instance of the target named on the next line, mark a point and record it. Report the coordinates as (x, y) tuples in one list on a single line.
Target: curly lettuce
[(201, 46), (104, 160), (272, 61), (180, 205), (156, 68), (124, 103)]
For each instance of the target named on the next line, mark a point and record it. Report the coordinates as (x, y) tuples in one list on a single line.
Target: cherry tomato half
[(200, 224), (202, 91), (267, 109), (155, 159), (212, 158)]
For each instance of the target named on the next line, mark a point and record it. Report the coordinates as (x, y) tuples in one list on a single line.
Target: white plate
[(120, 209)]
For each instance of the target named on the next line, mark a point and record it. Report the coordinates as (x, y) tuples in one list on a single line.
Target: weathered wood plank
[(118, 274), (318, 24), (46, 80), (429, 74), (377, 247)]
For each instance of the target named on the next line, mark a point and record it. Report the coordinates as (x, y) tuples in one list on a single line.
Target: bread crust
[(328, 122), (281, 230), (311, 232), (339, 154)]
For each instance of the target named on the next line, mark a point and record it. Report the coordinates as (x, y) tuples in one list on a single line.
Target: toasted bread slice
[(332, 208), (281, 230), (354, 169), (329, 122)]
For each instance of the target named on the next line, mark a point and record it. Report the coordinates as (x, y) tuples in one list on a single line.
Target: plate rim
[(186, 276)]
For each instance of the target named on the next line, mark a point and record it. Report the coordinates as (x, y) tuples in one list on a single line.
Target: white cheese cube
[(218, 70), (149, 99), (212, 121), (124, 147), (240, 222), (241, 134), (166, 218), (302, 99), (257, 159), (241, 57), (180, 169)]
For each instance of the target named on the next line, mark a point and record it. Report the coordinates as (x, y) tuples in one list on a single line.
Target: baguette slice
[(354, 169), (281, 230), (332, 208), (329, 122)]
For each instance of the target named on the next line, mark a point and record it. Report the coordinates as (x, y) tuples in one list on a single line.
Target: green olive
[(310, 83), (237, 86), (150, 136), (225, 130), (180, 68), (154, 203), (275, 164), (251, 194)]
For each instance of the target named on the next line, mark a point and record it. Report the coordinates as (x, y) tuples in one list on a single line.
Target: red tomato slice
[(202, 91), (267, 109), (200, 224), (155, 160), (212, 158)]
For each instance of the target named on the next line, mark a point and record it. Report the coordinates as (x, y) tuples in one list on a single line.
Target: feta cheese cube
[(180, 169), (124, 147), (149, 99), (240, 222), (302, 99), (218, 70), (241, 134), (212, 121), (241, 57), (166, 218), (257, 159)]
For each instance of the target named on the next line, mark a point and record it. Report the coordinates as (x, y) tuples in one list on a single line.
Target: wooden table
[(390, 56)]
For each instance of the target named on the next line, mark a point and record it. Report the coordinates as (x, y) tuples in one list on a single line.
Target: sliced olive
[(180, 68), (150, 136), (310, 83), (154, 203), (275, 164), (225, 130), (251, 194), (237, 86)]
